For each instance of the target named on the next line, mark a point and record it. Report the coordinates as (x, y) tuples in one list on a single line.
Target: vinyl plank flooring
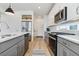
[(38, 43)]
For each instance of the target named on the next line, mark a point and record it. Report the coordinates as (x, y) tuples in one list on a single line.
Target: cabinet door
[(26, 43), (72, 54), (20, 48), (59, 49), (10, 52), (66, 52)]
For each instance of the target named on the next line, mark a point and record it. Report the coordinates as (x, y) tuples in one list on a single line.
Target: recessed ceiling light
[(38, 7)]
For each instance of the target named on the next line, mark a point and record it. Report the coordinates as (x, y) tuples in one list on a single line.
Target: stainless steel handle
[(52, 38)]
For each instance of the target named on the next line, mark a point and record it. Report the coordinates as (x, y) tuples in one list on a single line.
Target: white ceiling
[(44, 7)]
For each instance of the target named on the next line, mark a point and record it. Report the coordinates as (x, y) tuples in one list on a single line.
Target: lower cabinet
[(20, 48), (59, 49), (73, 54), (10, 49), (26, 43), (10, 52), (63, 49)]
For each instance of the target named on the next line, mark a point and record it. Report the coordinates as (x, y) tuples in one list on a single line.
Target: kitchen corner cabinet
[(64, 48), (13, 47)]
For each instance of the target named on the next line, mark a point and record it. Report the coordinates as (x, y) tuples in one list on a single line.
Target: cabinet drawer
[(63, 41), (7, 44), (74, 47), (10, 52)]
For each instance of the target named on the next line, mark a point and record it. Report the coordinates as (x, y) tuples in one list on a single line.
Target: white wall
[(45, 22), (14, 22)]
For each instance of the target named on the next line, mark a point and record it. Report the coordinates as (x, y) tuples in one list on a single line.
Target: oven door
[(53, 45)]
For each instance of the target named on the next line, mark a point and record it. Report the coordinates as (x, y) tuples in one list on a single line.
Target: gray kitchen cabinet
[(13, 47), (65, 51), (66, 48), (72, 53), (10, 52), (62, 51), (20, 48), (68, 52), (26, 43), (7, 44), (59, 49)]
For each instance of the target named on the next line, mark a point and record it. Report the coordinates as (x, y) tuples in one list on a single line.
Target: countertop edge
[(71, 39), (9, 38)]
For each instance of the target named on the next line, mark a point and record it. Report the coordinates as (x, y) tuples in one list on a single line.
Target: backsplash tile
[(73, 27), (69, 26)]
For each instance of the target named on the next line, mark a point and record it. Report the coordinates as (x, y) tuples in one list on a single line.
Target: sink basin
[(7, 35)]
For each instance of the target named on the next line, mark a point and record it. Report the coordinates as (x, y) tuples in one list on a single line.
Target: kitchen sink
[(7, 35)]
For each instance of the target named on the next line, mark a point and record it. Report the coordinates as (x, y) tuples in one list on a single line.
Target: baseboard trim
[(39, 36)]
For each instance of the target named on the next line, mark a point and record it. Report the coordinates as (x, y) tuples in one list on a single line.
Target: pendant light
[(9, 10)]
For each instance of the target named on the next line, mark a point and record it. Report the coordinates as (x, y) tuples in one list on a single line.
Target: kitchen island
[(13, 44)]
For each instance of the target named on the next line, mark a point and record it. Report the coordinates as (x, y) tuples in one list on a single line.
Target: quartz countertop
[(72, 38), (14, 35)]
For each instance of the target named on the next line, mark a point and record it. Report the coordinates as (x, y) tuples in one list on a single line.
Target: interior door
[(39, 27)]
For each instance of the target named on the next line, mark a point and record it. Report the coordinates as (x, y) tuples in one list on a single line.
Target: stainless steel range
[(53, 43)]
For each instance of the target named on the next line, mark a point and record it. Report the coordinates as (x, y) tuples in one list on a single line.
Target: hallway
[(37, 47)]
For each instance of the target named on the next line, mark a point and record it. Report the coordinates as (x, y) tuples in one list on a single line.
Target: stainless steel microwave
[(61, 15)]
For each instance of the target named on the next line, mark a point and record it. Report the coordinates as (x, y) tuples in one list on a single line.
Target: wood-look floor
[(38, 43)]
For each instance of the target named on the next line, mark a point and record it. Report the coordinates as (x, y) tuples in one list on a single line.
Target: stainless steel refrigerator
[(26, 26)]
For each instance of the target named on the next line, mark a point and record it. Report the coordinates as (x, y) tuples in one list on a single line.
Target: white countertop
[(14, 35), (72, 38)]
